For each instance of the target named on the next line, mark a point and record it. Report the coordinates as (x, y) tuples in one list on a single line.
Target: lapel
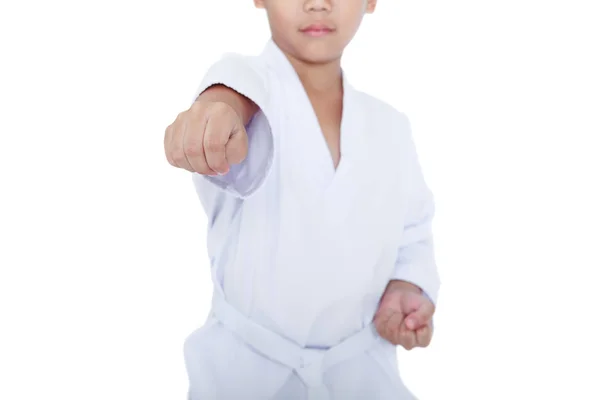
[(306, 160)]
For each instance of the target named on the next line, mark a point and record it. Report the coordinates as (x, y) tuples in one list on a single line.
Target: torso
[(308, 230)]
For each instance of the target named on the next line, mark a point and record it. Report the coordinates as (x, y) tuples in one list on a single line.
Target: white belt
[(309, 364)]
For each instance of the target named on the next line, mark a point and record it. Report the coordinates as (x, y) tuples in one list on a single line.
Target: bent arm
[(237, 81), (416, 262)]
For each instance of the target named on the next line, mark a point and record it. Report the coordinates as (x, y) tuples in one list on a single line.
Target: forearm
[(243, 106), (416, 256), (241, 83)]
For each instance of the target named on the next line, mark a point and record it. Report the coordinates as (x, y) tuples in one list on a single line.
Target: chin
[(318, 53)]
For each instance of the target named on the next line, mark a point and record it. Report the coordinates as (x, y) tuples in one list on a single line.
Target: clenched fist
[(208, 138), (404, 316)]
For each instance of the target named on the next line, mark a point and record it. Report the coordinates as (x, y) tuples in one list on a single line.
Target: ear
[(371, 4), (259, 3)]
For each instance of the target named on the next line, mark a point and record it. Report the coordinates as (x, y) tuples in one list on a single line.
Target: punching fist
[(208, 138), (404, 316)]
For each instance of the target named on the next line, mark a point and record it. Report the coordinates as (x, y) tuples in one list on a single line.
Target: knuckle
[(180, 116), (197, 106), (219, 107), (198, 113)]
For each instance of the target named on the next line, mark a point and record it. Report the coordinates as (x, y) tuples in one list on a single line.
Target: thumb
[(420, 317), (236, 148)]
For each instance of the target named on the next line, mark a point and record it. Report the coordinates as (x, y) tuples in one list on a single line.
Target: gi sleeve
[(243, 75), (415, 262)]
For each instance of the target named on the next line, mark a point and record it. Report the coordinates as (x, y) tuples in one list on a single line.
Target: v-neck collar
[(278, 59), (309, 180), (319, 165)]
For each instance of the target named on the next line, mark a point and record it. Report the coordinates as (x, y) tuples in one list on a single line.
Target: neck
[(318, 78)]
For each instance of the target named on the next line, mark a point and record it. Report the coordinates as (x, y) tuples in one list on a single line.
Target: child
[(319, 220)]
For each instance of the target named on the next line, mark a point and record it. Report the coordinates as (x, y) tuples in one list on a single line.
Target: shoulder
[(243, 61), (246, 74), (242, 65)]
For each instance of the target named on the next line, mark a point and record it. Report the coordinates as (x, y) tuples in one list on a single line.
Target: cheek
[(351, 20), (285, 17), (281, 22)]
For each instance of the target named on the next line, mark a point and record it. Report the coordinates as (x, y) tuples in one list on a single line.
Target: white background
[(102, 252)]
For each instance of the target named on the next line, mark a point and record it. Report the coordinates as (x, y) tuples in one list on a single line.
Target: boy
[(319, 220)]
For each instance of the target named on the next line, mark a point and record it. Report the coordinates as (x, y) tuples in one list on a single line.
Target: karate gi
[(301, 252)]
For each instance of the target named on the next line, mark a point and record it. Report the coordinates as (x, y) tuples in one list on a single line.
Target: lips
[(317, 30)]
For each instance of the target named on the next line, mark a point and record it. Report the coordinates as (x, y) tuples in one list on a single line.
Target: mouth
[(317, 30)]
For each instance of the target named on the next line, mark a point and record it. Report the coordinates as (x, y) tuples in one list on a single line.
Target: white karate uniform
[(301, 252)]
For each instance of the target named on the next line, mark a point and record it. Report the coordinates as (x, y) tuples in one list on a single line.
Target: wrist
[(396, 284), (243, 106)]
